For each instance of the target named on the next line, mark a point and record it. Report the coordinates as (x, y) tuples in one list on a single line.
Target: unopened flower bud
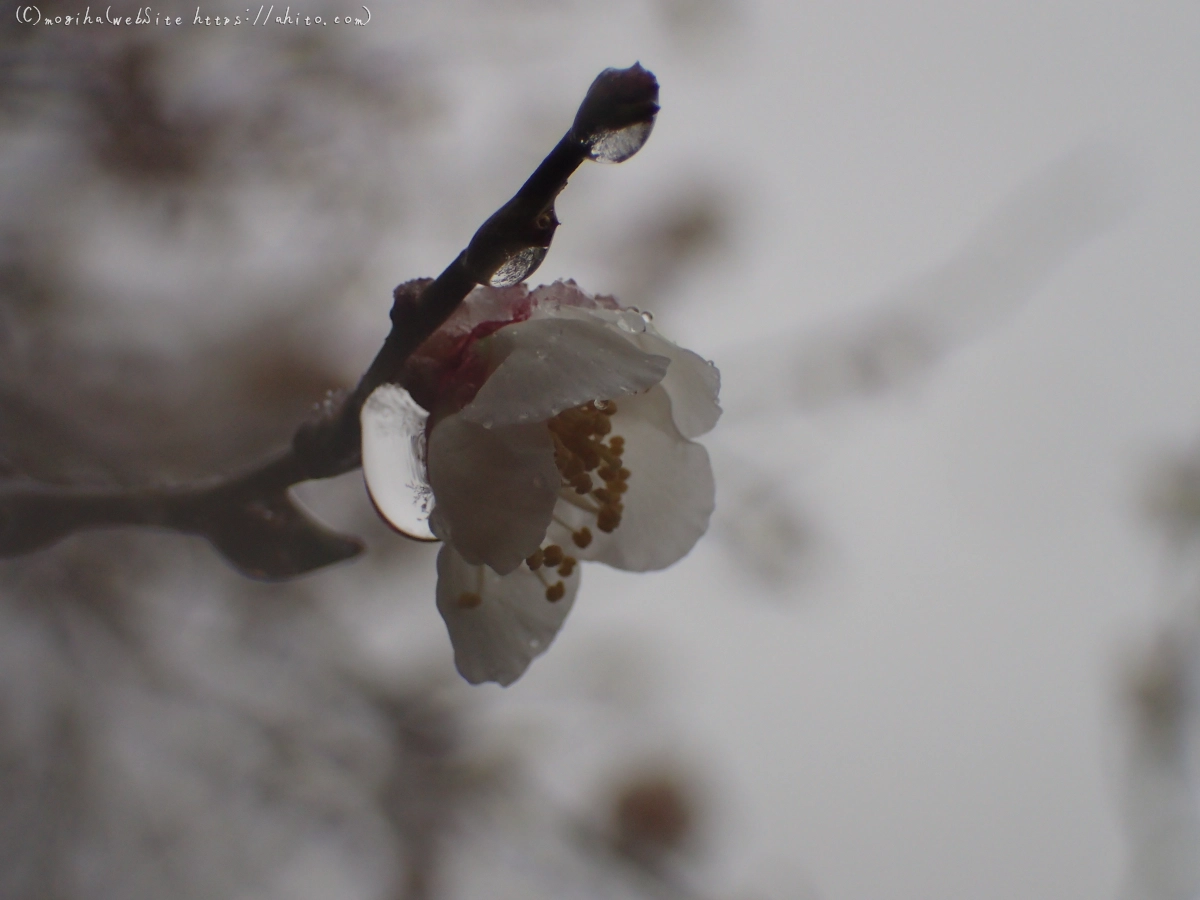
[(617, 114)]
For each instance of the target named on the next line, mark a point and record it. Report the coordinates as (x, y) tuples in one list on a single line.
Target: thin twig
[(250, 518)]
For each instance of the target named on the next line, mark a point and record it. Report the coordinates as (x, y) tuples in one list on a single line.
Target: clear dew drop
[(393, 454), (631, 320), (617, 146), (518, 267)]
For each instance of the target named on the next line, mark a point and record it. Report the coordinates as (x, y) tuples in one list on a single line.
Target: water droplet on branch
[(617, 146), (518, 267)]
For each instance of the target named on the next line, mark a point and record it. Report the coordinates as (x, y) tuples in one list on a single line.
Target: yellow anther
[(607, 519), (552, 555), (534, 560), (580, 448), (469, 600), (556, 592)]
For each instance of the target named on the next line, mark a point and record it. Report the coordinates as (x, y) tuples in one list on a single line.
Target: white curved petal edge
[(495, 488), (561, 294), (692, 382), (551, 364), (670, 496), (504, 622), (393, 460)]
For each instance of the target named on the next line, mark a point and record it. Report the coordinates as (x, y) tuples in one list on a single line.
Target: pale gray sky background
[(931, 709), (951, 286)]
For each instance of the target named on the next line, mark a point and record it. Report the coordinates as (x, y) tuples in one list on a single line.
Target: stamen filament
[(577, 501), (554, 592)]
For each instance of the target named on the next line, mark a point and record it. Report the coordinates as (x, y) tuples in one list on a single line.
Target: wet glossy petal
[(568, 293), (495, 489), (691, 382), (551, 364), (670, 492), (498, 624), (393, 458)]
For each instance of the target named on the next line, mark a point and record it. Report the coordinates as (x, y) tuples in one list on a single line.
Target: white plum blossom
[(533, 430)]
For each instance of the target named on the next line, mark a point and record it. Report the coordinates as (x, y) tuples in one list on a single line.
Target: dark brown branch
[(250, 518)]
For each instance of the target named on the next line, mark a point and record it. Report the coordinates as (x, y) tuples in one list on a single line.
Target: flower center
[(581, 453)]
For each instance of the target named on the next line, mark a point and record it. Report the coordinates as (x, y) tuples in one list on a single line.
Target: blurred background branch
[(944, 333), (183, 255)]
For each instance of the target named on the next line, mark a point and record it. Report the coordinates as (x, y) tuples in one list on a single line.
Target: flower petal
[(497, 624), (495, 489), (568, 293), (551, 364), (691, 382), (670, 493), (393, 460)]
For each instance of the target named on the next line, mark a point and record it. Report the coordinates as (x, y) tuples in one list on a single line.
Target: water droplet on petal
[(617, 146), (647, 317), (630, 320), (518, 267), (393, 455)]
